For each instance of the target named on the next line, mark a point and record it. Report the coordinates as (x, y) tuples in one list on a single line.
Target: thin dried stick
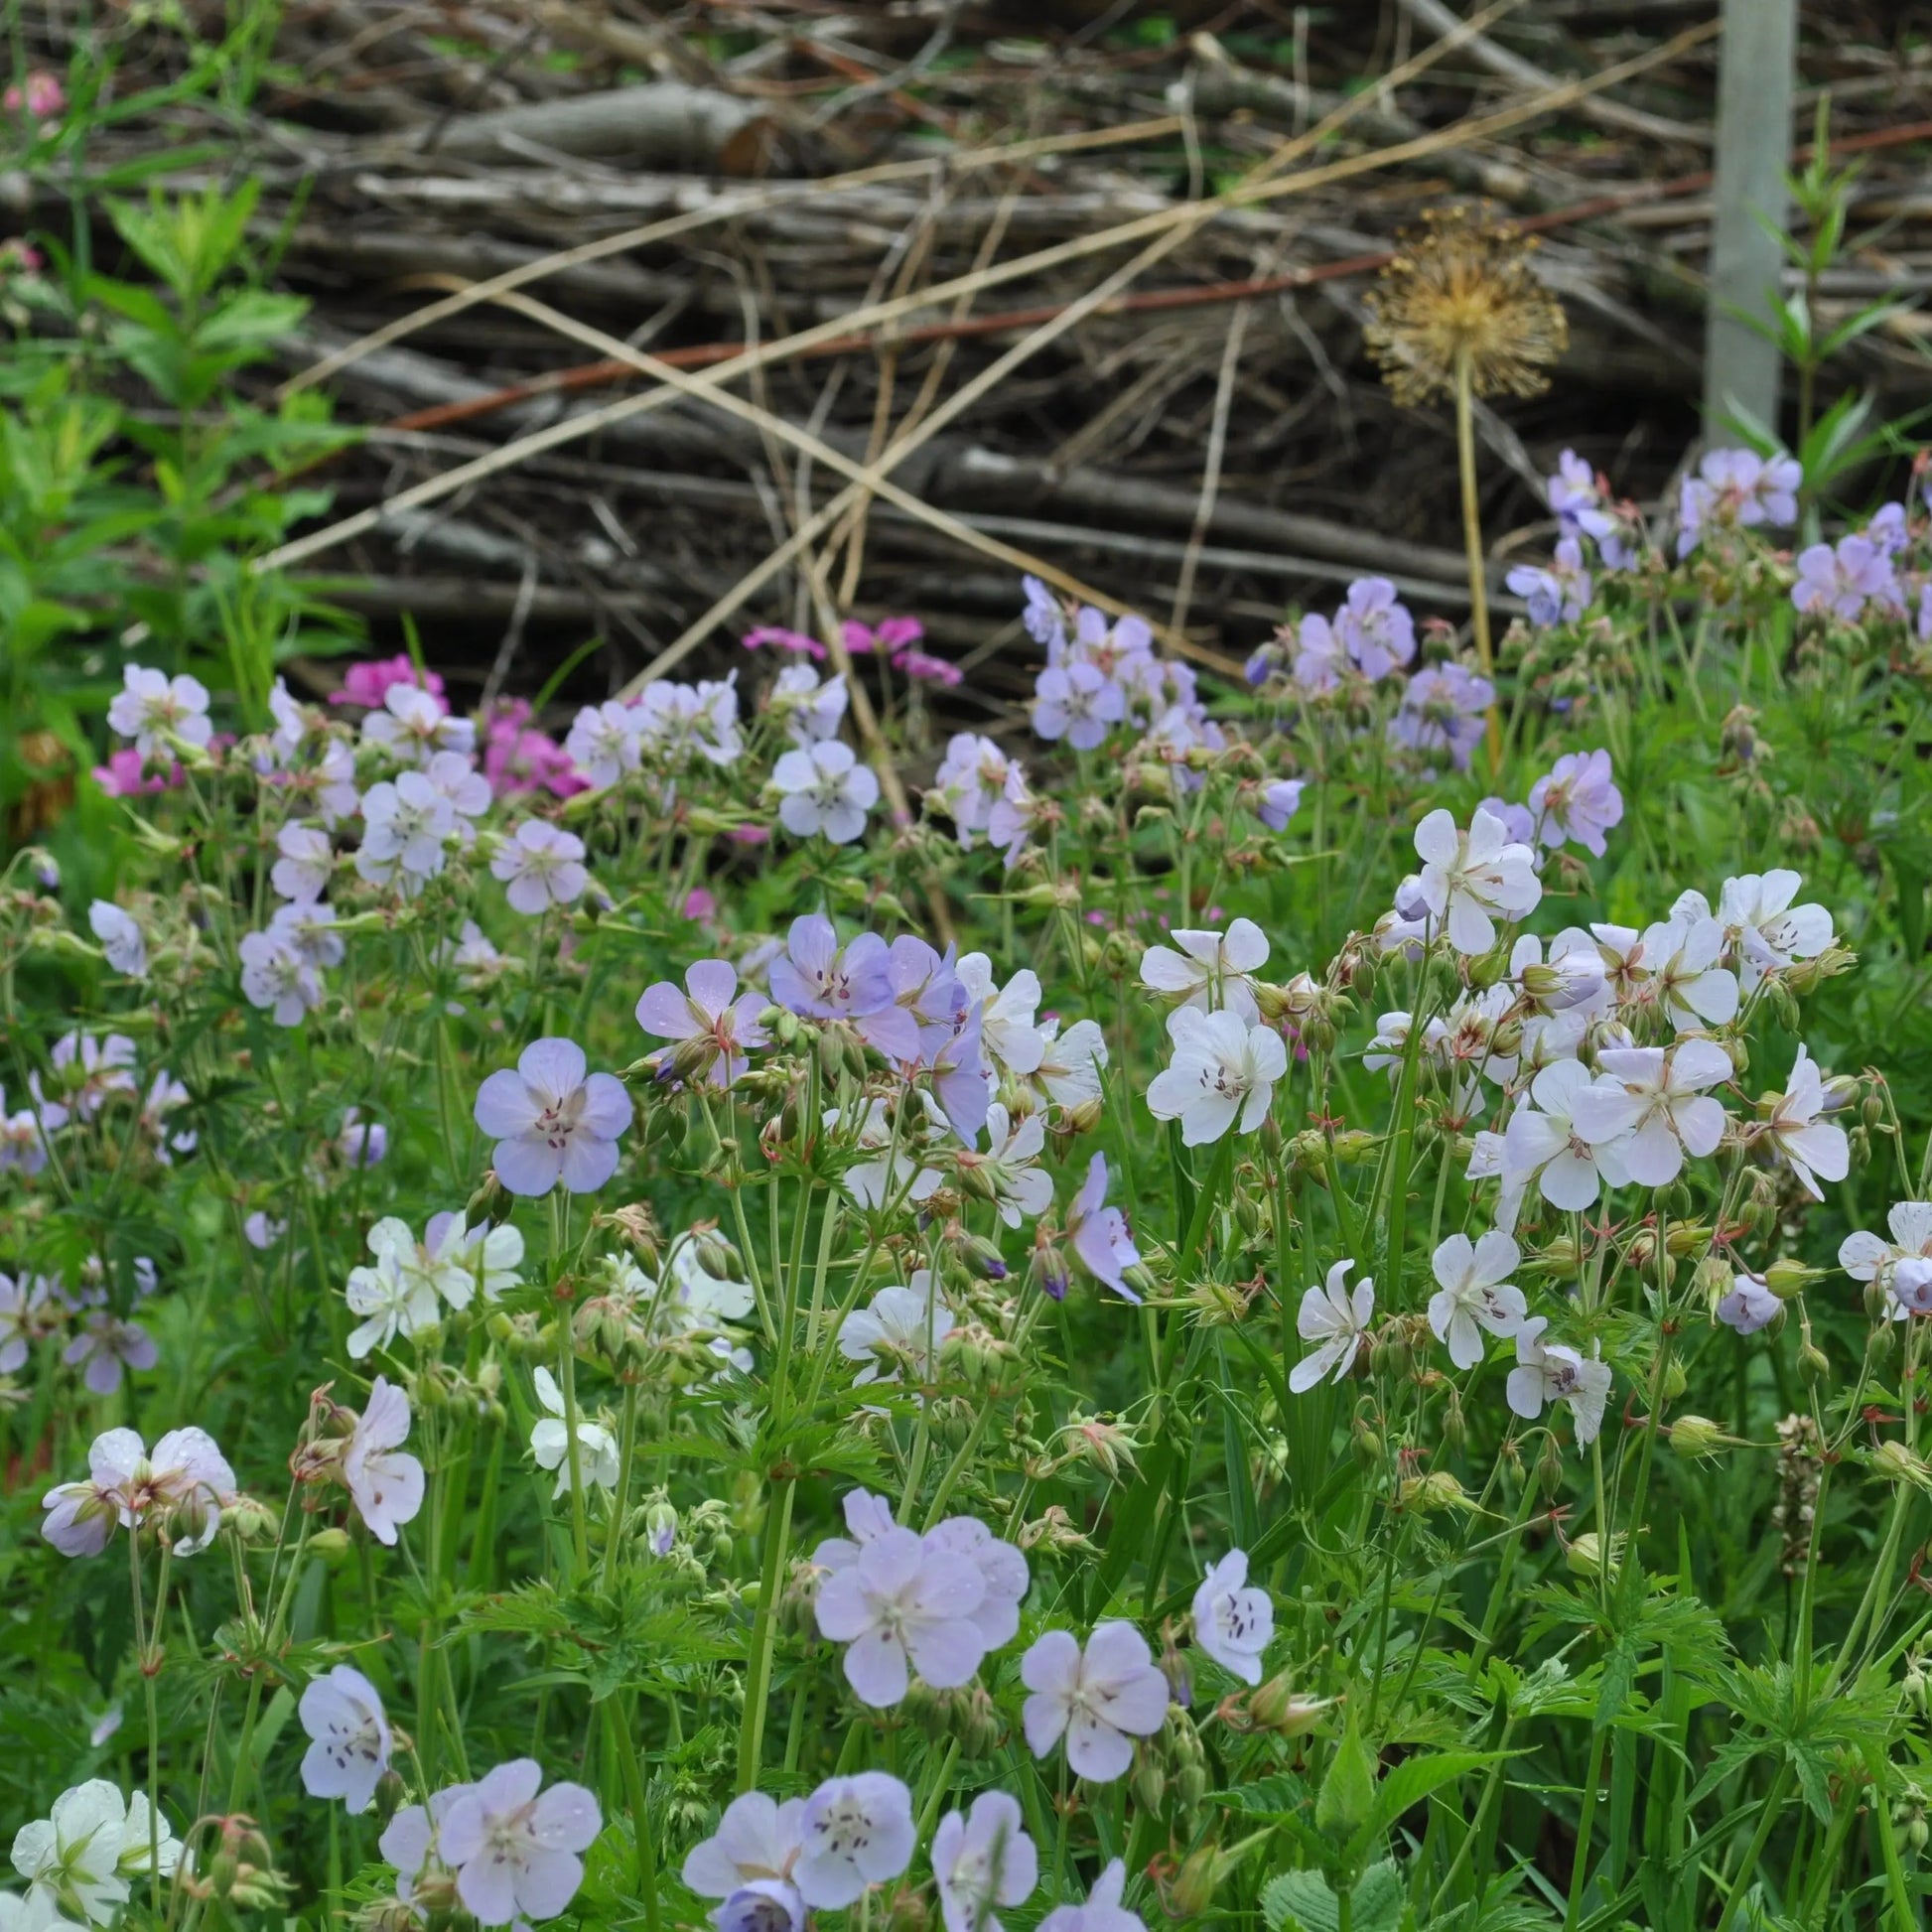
[(726, 208), (1210, 482)]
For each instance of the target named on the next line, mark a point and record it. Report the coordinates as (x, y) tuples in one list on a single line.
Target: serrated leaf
[(1347, 1794)]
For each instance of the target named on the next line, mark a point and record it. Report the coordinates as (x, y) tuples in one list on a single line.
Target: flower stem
[(1466, 454)]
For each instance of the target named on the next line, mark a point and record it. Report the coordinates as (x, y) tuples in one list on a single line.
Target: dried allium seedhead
[(1461, 292), (1798, 1476)]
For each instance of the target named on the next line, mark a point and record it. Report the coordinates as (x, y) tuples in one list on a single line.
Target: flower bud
[(907, 1913), (1437, 1489), (1697, 1435), (1276, 1706), (1895, 1462), (1786, 1277), (1365, 1443), (329, 1546), (1193, 1891), (1150, 1783), (1813, 1363), (1585, 1556)]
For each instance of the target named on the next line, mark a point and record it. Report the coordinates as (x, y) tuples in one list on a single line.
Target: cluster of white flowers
[(82, 1859)]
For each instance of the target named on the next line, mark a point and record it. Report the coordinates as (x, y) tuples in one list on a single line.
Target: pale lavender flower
[(1576, 800), (1222, 1074), (121, 941), (1557, 593), (606, 742), (25, 1315), (552, 1121), (278, 979), (302, 870), (310, 929), (983, 1860), (515, 1853), (825, 791), (1441, 713), (810, 709), (899, 1326), (1319, 656), (182, 1485), (814, 978), (541, 866), (714, 1029), (1541, 1143), (1077, 702), (107, 1346), (406, 827), (1098, 1699), (1045, 620), (1098, 1234), (1279, 800), (1469, 879), (1737, 488), (1518, 821), (152, 707), (454, 776), (414, 725), (856, 1831), (1576, 497), (365, 1144), (1103, 1911), (747, 1862), (92, 1068), (1840, 581), (1651, 1106), (970, 778), (1810, 1146), (1233, 1623), (1749, 1307), (1374, 628), (900, 1607), (343, 1716)]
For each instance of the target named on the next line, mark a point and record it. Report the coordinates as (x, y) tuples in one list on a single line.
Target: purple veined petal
[(812, 943), (553, 1067), (504, 1106), (531, 1168), (488, 1888)]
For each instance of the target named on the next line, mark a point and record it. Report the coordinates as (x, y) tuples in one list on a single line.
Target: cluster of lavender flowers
[(1879, 573)]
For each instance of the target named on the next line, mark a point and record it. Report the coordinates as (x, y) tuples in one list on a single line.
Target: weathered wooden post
[(1757, 59)]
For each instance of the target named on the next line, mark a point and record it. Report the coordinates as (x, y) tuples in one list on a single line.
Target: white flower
[(1335, 1317), (1069, 1063), (809, 709), (825, 790), (983, 1860), (1020, 1189), (1750, 1305), (899, 1326), (79, 1859), (455, 775), (397, 1296), (1474, 1289), (1210, 970), (606, 742), (1680, 957), (1009, 1033), (857, 1832), (385, 1482), (302, 872), (276, 977), (1652, 1107), (541, 866), (151, 703), (1768, 931), (342, 1713), (1222, 1074), (1542, 1143), (1810, 1145), (1233, 1623), (596, 1447), (1470, 878), (1097, 1698), (903, 1605), (1865, 1258), (513, 1853), (412, 724), (1552, 1373), (1103, 1911), (180, 1484), (120, 938)]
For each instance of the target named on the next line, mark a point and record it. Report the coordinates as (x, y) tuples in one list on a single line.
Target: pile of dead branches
[(662, 321)]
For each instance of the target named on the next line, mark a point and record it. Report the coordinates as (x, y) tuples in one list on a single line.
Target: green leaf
[(1304, 1901), (1411, 1781), (1347, 1796)]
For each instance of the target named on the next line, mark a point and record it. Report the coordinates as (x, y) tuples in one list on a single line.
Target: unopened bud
[(329, 1546), (1697, 1435), (1786, 1277)]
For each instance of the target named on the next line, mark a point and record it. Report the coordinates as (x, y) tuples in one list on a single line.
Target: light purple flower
[(814, 978), (825, 791), (747, 1863), (1103, 1911), (407, 825), (704, 1012), (342, 1713), (1233, 1623), (1098, 1699), (903, 1606), (515, 1853), (182, 1484), (121, 941), (1576, 799), (151, 706), (551, 1122), (1374, 628), (277, 978), (24, 1315), (961, 1080), (1840, 582), (1278, 799), (1441, 713), (1319, 654), (302, 870), (1077, 702), (541, 866), (1098, 1234), (1750, 1305), (1736, 489), (1045, 620), (856, 1831), (365, 1144), (1558, 592), (983, 1860), (107, 1345), (606, 742)]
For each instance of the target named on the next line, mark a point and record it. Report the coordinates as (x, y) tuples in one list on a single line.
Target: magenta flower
[(922, 665), (781, 639), (368, 682), (126, 775), (552, 1122), (714, 1028), (890, 634)]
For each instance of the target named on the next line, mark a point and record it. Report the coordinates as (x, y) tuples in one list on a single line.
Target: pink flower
[(368, 682), (781, 640), (43, 97), (518, 758), (893, 633), (699, 905), (922, 665)]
